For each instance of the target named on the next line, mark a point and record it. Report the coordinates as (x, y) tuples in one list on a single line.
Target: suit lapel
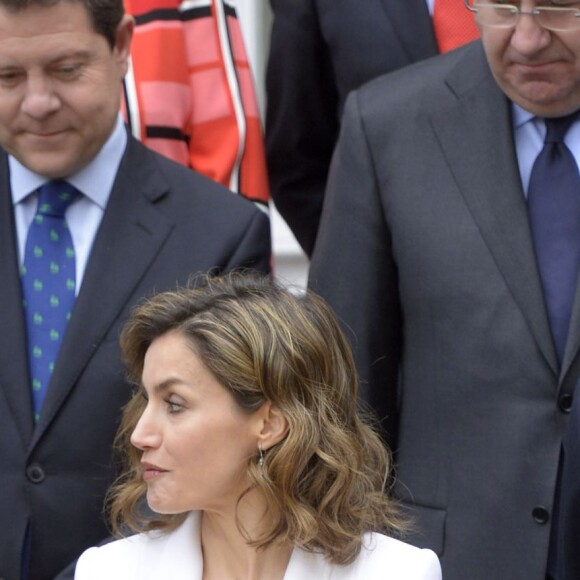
[(130, 236), (475, 133), (14, 373), (573, 344), (412, 23), (177, 556)]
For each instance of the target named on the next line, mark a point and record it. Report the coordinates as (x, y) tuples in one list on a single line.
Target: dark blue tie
[(48, 283), (554, 208)]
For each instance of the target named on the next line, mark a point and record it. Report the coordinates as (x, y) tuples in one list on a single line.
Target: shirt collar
[(95, 180), (520, 116)]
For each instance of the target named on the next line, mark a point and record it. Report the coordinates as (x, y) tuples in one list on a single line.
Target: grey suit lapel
[(14, 372), (129, 238), (573, 344), (412, 23), (476, 137)]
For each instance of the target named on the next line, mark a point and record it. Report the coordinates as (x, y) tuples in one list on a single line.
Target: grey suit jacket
[(163, 223), (321, 50), (425, 252)]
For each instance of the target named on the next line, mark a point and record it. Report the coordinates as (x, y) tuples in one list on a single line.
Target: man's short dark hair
[(105, 15)]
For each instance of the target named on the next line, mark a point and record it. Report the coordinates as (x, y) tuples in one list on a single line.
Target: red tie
[(454, 24)]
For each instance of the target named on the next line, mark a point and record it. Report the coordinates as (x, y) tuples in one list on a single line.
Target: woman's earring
[(260, 455)]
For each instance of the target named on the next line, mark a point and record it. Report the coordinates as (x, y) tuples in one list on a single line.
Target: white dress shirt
[(95, 182)]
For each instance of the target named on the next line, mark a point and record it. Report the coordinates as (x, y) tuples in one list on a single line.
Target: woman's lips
[(151, 471)]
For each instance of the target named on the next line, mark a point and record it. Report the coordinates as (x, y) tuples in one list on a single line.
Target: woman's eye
[(173, 406)]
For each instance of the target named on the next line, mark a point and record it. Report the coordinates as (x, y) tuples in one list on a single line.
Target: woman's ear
[(274, 425)]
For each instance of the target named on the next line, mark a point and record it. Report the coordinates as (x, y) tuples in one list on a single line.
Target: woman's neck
[(226, 553)]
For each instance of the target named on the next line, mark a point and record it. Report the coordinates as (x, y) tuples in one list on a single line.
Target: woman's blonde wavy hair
[(324, 482)]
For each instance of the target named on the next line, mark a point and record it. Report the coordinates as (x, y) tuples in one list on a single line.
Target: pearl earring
[(260, 455)]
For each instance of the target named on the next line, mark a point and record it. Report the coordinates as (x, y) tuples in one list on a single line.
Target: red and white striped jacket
[(190, 95)]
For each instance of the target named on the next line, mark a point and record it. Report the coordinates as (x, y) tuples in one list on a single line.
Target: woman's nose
[(146, 435)]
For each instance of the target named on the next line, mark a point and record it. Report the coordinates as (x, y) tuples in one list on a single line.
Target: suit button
[(540, 515), (35, 473), (565, 402)]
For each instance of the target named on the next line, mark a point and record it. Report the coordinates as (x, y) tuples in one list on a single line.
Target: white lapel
[(176, 555)]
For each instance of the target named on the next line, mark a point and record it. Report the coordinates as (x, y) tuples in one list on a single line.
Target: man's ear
[(123, 38), (274, 425)]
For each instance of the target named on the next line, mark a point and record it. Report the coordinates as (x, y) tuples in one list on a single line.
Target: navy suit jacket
[(321, 50), (163, 222)]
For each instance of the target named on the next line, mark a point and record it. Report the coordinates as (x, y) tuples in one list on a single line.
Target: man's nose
[(529, 36), (40, 99)]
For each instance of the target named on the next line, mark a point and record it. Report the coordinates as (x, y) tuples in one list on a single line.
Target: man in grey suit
[(427, 254), (137, 223)]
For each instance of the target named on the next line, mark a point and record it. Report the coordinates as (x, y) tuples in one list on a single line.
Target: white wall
[(290, 263), (256, 18)]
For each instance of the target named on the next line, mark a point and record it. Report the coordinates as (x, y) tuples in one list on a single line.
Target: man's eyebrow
[(80, 53)]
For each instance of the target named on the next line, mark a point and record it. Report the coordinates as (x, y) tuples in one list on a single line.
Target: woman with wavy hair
[(245, 439)]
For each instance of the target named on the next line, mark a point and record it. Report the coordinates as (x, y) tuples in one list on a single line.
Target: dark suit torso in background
[(425, 253), (162, 224), (320, 50), (568, 560)]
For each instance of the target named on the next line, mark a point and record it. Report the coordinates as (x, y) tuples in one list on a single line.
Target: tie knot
[(557, 127), (55, 197)]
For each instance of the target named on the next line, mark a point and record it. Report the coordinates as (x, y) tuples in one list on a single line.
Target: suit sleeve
[(354, 269), (302, 119), (428, 566), (254, 248)]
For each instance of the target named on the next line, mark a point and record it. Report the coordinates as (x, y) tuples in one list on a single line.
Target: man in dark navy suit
[(569, 530), (138, 223)]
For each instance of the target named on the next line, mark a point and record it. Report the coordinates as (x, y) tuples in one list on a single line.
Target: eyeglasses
[(501, 15)]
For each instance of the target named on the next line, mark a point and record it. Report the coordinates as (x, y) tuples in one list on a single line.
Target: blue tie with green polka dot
[(48, 284)]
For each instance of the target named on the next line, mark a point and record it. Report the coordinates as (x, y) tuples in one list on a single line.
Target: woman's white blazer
[(177, 556)]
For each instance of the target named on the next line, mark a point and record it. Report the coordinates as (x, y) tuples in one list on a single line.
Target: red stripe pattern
[(190, 94)]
